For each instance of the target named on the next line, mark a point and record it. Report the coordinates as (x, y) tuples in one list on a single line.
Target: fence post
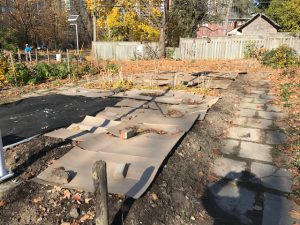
[(68, 62), (48, 56), (4, 174), (99, 176), (36, 56)]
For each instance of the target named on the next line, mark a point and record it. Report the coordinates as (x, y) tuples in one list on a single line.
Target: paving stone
[(247, 112), (253, 122), (258, 91), (272, 176), (230, 146), (229, 168), (246, 134), (275, 137), (273, 108), (279, 210), (256, 106), (248, 99), (270, 115), (255, 151), (270, 97), (228, 198)]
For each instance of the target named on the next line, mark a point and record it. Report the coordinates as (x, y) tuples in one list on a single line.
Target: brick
[(255, 151), (246, 134), (127, 133)]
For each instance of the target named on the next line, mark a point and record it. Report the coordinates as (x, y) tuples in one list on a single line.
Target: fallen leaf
[(67, 194), (2, 203), (37, 200), (77, 197), (87, 200), (294, 214), (88, 216), (65, 223)]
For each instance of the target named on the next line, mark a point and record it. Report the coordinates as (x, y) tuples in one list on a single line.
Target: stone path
[(251, 189)]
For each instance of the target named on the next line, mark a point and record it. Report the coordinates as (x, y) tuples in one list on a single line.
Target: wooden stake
[(13, 67), (48, 56), (99, 176), (36, 56), (68, 62), (19, 55)]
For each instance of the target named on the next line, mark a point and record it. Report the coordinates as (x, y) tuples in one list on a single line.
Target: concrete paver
[(272, 176), (256, 106), (270, 115), (230, 146), (278, 210), (233, 199), (275, 137), (255, 151), (253, 122), (247, 134), (229, 168)]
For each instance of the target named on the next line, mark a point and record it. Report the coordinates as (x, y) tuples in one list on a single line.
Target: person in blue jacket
[(28, 52)]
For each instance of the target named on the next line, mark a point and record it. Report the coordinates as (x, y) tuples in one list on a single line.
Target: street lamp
[(73, 20)]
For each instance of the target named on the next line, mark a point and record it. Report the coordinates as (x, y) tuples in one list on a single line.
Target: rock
[(57, 175), (193, 218), (74, 213), (154, 197)]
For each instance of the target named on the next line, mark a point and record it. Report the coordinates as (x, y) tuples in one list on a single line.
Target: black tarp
[(37, 115)]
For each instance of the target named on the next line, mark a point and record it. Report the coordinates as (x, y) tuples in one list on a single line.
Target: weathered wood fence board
[(228, 47), (192, 48), (123, 50)]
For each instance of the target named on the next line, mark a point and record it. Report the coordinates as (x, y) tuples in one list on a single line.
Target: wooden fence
[(228, 47), (124, 50)]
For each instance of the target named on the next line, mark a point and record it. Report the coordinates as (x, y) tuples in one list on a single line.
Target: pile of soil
[(177, 195)]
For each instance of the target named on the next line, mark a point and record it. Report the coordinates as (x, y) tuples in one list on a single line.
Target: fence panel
[(123, 50), (229, 47)]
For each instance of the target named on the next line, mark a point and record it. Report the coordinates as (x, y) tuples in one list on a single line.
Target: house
[(259, 25), (216, 15)]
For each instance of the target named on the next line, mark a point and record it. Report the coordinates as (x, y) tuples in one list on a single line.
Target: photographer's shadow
[(234, 200)]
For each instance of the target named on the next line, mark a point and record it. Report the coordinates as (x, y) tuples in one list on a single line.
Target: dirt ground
[(177, 196)]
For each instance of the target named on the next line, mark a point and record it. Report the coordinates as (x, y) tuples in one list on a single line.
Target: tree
[(185, 16), (125, 20), (35, 21), (286, 14)]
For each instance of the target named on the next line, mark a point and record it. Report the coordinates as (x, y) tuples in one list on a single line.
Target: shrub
[(281, 57), (254, 52), (3, 70), (112, 67), (21, 72)]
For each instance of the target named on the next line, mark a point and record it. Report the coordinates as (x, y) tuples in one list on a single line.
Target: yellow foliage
[(3, 70), (131, 22)]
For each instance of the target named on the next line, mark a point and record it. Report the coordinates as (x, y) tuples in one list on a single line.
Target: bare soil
[(177, 196)]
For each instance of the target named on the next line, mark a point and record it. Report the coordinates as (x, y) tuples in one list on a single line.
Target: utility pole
[(94, 23), (227, 17)]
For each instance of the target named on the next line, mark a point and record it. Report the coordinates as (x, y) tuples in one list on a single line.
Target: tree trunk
[(163, 31)]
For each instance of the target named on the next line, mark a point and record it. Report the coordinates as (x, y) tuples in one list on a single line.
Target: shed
[(260, 24)]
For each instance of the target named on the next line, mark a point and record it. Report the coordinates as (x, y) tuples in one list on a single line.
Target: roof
[(269, 20)]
